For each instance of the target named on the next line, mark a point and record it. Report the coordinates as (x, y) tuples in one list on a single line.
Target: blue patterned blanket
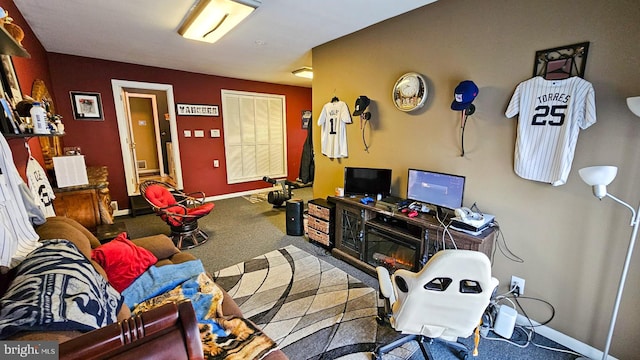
[(57, 288), (223, 338)]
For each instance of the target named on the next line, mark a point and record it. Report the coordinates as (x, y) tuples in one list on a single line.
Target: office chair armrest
[(384, 281), (494, 285)]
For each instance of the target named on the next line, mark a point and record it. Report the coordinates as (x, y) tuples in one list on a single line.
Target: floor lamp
[(599, 177)]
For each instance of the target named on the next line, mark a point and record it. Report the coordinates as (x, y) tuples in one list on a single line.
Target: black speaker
[(295, 217)]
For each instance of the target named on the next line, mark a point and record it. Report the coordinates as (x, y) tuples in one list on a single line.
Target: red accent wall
[(27, 70), (100, 142)]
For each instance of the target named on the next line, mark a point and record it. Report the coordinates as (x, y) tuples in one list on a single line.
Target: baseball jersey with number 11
[(552, 112), (333, 120)]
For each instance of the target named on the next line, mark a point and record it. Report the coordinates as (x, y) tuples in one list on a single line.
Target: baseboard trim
[(121, 212), (213, 198), (562, 339), (241, 193)]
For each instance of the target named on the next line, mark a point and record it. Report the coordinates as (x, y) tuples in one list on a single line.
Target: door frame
[(156, 126), (118, 87)]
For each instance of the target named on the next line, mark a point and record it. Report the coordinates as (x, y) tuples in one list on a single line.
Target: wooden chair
[(168, 332)]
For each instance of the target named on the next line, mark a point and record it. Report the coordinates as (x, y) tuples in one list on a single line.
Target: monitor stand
[(441, 213)]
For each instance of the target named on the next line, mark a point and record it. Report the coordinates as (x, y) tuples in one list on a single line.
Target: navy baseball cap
[(361, 105), (464, 95)]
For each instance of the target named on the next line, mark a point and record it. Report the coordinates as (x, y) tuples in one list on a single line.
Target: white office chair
[(444, 301)]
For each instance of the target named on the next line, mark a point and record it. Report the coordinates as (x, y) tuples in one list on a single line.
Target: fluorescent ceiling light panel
[(305, 72), (210, 20)]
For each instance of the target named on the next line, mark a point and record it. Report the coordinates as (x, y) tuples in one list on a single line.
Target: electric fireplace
[(393, 249)]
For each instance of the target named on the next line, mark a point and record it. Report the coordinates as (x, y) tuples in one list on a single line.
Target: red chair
[(178, 209)]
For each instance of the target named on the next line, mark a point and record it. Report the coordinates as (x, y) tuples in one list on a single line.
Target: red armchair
[(179, 210)]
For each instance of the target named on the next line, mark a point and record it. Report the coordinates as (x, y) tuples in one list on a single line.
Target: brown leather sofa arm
[(167, 332)]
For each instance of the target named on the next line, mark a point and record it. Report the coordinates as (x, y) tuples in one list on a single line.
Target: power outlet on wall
[(519, 282), (114, 205)]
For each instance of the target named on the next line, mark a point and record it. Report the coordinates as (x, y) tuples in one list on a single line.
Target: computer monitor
[(439, 189), (367, 181)]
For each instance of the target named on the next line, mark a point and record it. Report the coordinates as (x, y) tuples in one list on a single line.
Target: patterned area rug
[(312, 309)]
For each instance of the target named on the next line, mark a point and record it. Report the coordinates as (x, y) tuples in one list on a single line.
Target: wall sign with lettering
[(198, 110)]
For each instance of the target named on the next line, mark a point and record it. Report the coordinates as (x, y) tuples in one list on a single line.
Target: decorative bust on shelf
[(14, 30)]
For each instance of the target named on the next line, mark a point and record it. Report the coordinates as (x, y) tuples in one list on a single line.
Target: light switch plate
[(187, 133), (215, 133), (198, 133)]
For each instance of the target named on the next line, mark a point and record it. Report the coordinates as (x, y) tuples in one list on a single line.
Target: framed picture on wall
[(86, 105), (11, 85)]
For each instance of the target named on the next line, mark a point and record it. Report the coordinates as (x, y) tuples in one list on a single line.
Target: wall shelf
[(9, 46), (16, 136)]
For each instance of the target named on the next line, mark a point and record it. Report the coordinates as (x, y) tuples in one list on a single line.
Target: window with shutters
[(254, 135)]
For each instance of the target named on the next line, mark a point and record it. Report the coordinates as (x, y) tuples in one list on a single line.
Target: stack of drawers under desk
[(320, 222)]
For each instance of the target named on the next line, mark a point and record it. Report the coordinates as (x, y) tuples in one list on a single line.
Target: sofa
[(160, 246)]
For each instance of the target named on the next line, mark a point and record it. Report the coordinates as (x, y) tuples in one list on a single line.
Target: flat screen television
[(439, 189), (367, 181)]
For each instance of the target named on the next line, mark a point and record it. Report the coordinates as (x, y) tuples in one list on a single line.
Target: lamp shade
[(634, 105), (598, 175)]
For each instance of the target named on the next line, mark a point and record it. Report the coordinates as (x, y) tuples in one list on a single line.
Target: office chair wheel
[(463, 355), (382, 318)]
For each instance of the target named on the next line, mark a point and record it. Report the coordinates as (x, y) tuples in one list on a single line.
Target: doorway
[(148, 133)]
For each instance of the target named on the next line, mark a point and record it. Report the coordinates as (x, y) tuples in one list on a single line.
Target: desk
[(89, 204), (367, 236)]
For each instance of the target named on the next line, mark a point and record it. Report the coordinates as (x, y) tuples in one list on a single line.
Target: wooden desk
[(356, 221), (89, 204)]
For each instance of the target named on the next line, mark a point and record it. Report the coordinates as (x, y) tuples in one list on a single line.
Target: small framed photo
[(86, 105)]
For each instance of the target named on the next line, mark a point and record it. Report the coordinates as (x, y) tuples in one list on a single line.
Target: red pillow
[(123, 261)]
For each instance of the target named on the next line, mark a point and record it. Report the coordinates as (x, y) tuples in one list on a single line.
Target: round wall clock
[(410, 92)]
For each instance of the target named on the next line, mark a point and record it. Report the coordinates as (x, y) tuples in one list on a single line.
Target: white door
[(118, 88)]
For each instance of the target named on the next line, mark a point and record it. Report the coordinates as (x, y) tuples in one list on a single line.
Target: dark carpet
[(243, 228)]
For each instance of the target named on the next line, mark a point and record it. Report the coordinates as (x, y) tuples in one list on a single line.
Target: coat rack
[(561, 62)]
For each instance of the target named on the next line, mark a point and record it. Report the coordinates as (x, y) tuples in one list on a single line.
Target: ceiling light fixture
[(305, 72), (210, 20)]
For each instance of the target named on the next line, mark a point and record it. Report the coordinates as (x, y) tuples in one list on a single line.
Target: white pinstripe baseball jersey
[(17, 236), (40, 187), (334, 119), (552, 112)]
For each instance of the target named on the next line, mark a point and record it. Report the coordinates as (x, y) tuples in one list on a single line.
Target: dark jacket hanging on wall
[(307, 165)]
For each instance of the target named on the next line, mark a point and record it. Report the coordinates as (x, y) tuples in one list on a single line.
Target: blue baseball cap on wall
[(464, 94)]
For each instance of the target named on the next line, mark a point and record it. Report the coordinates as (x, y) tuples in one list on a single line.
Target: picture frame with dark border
[(561, 62), (86, 105), (11, 86)]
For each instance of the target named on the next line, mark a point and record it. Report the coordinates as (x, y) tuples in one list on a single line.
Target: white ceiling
[(274, 40)]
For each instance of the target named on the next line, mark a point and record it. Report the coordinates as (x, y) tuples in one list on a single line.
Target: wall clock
[(410, 92)]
